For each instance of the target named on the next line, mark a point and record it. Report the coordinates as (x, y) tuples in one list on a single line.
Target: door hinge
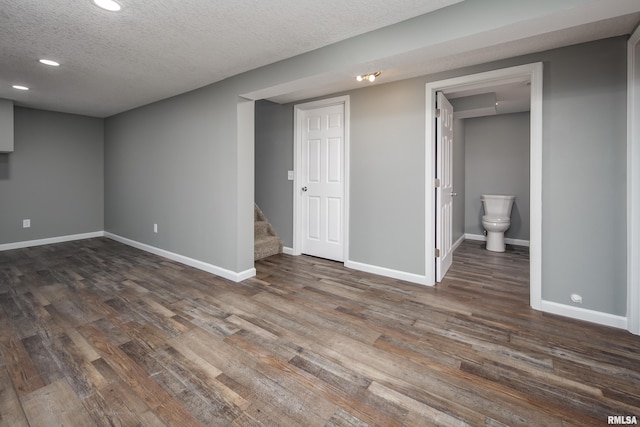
[(437, 112), (436, 252), (436, 182)]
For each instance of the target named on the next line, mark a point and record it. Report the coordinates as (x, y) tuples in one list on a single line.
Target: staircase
[(266, 242)]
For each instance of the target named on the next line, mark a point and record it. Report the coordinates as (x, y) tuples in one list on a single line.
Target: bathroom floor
[(487, 275)]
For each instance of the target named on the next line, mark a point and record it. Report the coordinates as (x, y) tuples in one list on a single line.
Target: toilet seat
[(496, 219)]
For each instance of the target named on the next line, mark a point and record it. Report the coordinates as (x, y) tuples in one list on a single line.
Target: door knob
[(304, 188), (453, 194)]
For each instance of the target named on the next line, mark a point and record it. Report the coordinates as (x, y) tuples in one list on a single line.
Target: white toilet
[(496, 219)]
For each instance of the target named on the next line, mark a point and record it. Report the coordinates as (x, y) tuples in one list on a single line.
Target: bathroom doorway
[(531, 74)]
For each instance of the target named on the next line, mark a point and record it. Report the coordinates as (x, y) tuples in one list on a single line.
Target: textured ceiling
[(154, 49), (424, 63)]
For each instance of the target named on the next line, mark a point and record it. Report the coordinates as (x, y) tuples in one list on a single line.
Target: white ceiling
[(510, 96), (424, 63), (154, 49)]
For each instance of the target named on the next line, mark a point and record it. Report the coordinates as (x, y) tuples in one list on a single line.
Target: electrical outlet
[(290, 175), (26, 223), (576, 298), (155, 228)]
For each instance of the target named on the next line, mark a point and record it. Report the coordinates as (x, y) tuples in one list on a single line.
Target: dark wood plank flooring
[(97, 333)]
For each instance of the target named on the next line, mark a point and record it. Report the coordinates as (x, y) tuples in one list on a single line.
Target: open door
[(444, 185)]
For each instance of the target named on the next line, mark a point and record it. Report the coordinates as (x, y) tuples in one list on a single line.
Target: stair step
[(267, 246), (266, 242), (261, 228)]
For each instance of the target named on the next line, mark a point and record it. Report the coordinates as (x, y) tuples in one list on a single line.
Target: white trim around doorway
[(633, 183), (532, 72), (297, 160)]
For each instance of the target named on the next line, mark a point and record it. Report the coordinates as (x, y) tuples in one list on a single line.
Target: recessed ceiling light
[(20, 87), (109, 5), (49, 62)]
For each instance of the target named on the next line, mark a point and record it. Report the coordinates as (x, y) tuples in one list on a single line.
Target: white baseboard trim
[(584, 314), (507, 240), (458, 243), (387, 272), (200, 265), (287, 250), (50, 240)]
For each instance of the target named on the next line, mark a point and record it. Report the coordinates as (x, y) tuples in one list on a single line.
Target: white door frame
[(534, 73), (633, 183), (299, 110)]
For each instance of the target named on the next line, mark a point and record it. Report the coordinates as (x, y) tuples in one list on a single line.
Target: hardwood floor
[(97, 333)]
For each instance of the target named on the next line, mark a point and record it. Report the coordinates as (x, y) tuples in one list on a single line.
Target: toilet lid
[(489, 218)]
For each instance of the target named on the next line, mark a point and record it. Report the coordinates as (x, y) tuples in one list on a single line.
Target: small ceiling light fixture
[(109, 5), (20, 87), (371, 77), (49, 62)]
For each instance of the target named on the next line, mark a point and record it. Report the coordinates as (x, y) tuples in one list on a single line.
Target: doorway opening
[(533, 74)]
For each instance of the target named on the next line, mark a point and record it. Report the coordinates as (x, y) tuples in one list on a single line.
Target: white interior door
[(444, 183), (322, 184)]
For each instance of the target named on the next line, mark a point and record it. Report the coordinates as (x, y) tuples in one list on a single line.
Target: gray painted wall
[(497, 162), (245, 172), (459, 180), (274, 157), (175, 163), (584, 146), (387, 173), (179, 159), (387, 177), (54, 177), (584, 175)]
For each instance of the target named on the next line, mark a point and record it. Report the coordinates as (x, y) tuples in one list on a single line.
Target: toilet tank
[(497, 205)]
